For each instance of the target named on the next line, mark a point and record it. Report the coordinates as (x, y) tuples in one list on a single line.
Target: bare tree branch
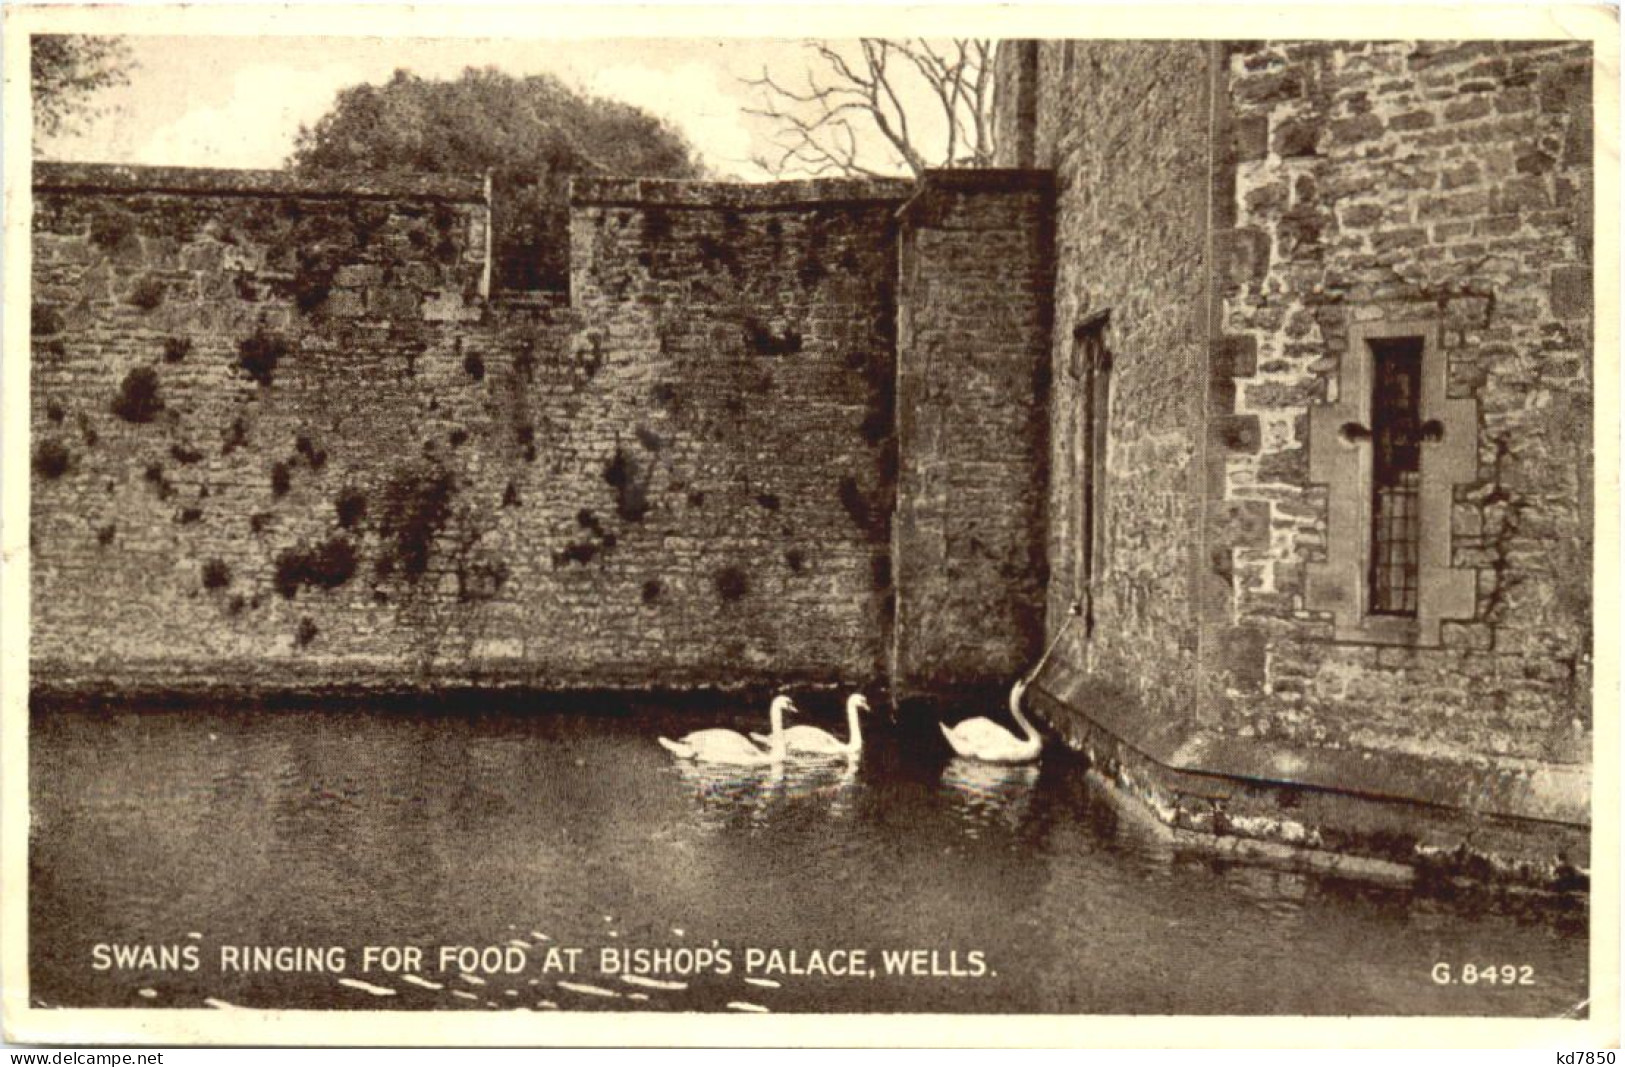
[(880, 108)]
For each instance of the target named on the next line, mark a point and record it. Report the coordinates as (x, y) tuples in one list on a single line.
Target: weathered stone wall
[(746, 345), (284, 436), (283, 439), (1250, 214), (1124, 127), (972, 403), (1447, 185), (230, 371)]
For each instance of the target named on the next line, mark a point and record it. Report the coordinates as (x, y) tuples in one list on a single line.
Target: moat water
[(912, 883)]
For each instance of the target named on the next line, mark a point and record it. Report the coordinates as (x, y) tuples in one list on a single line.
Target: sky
[(240, 101)]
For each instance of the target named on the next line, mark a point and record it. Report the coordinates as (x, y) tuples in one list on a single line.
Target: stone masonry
[(975, 272), (285, 437), (1252, 217), (890, 433)]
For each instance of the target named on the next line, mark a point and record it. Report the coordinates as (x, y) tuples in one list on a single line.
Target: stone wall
[(972, 401), (251, 398), (1124, 127), (285, 437), (746, 360), (282, 437), (1446, 186), (283, 434), (1250, 216)]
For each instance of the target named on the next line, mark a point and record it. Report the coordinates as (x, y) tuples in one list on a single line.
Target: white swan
[(728, 746), (811, 741), (986, 740)]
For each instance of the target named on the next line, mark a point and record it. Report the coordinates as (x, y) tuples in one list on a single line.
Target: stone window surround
[(1343, 463), (1089, 365)]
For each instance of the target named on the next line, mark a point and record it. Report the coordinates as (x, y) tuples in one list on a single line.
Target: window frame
[(1344, 464), (1403, 358)]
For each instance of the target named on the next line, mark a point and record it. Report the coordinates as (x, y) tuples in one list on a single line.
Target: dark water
[(356, 826)]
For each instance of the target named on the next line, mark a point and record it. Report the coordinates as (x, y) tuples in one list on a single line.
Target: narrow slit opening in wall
[(1093, 364), (1396, 475)]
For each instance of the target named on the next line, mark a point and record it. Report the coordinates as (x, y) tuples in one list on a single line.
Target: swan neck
[(854, 730), (1021, 720), (776, 739)]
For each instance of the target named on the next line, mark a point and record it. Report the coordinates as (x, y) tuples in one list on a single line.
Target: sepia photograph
[(700, 517)]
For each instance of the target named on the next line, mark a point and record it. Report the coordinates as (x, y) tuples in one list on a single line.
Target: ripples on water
[(549, 829)]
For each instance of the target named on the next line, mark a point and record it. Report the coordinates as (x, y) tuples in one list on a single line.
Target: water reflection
[(380, 825), (831, 784), (726, 796), (988, 794)]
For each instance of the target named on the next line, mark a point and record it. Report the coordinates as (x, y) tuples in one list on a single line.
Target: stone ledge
[(199, 181), (1545, 792), (161, 680), (1275, 817), (523, 699), (1247, 849), (991, 179), (667, 192), (1002, 181)]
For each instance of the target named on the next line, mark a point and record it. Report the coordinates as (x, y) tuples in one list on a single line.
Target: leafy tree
[(531, 134), (65, 71)]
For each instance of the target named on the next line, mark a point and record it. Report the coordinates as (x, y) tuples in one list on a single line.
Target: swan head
[(857, 702), (783, 705), (1017, 691)]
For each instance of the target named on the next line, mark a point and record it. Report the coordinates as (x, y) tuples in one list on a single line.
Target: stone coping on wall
[(201, 181), (1523, 789), (979, 180), (1009, 179), (667, 192)]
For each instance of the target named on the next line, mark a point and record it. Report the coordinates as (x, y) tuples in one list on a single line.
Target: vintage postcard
[(769, 526)]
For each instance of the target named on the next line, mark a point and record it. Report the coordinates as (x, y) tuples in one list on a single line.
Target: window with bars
[(1396, 475), (1391, 446)]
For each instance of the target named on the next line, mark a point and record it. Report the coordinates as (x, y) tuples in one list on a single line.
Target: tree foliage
[(531, 134), (881, 107), (65, 71)]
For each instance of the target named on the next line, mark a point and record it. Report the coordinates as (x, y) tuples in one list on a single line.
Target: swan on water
[(986, 740), (728, 746), (811, 741)]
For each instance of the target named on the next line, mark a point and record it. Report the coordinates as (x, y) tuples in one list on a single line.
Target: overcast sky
[(239, 101)]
